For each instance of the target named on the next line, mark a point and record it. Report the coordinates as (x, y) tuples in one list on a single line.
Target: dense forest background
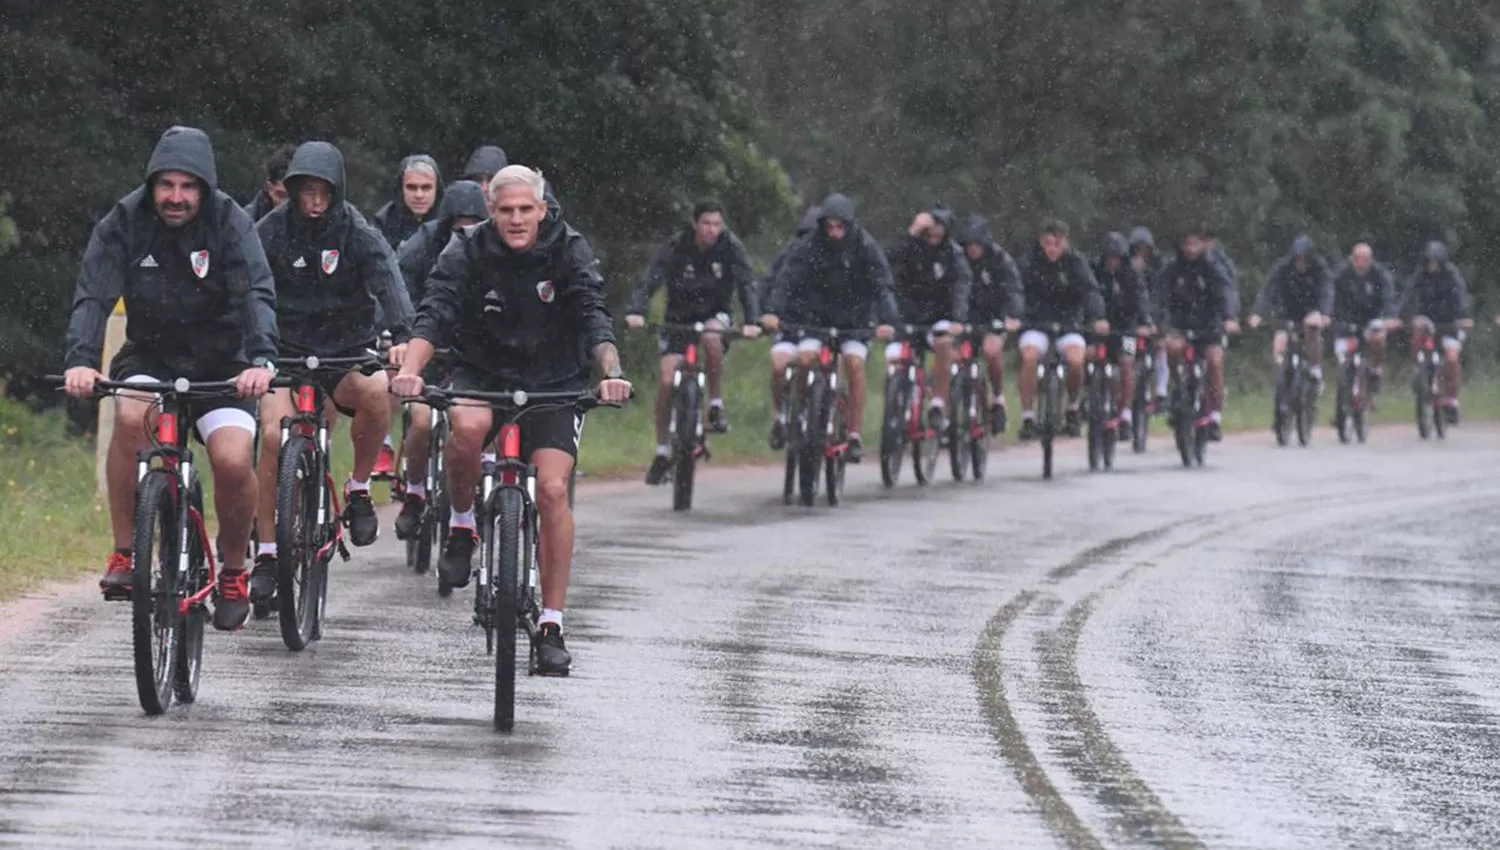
[(1344, 119)]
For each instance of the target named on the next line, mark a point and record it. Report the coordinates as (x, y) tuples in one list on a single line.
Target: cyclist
[(1437, 294), (996, 295), (1298, 287), (272, 191), (1148, 263), (201, 302), (933, 285), (483, 163), (1057, 288), (1198, 297), (331, 269), (415, 202), (1127, 305), (462, 206), (784, 349), (702, 267), (837, 276), (1364, 295), (522, 301)]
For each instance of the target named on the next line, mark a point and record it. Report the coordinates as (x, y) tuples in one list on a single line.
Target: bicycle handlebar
[(826, 331), (695, 327), (439, 398), (176, 387)]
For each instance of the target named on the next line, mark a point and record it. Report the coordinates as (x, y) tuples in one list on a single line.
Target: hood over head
[(185, 149), (943, 214), (317, 159), (463, 199), (837, 207), (1141, 237), (486, 159), (978, 230), (1436, 251), (1302, 246), (1116, 245)]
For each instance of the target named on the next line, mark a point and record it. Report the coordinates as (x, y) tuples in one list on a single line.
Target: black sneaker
[(717, 421), (660, 466), (232, 607), (409, 521), (455, 566), (778, 435), (263, 578), (856, 449), (997, 419), (359, 515), (1074, 423), (1215, 432), (552, 658), (1028, 431)]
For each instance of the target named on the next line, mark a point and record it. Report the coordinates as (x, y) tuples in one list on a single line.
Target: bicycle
[(1296, 391), (1427, 383), (1051, 378), (1140, 403), (1100, 379), (817, 449), (507, 591), (1351, 406), (309, 524), (1190, 418), (905, 421), (432, 535), (174, 574), (969, 410)]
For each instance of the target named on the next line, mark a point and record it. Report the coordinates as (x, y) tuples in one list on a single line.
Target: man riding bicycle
[(996, 295), (1364, 295), (331, 268), (522, 302), (933, 284), (702, 267), (1197, 297), (1127, 306), (1437, 294), (784, 348), (201, 302), (1057, 288), (1298, 289), (415, 202), (837, 277), (463, 205)]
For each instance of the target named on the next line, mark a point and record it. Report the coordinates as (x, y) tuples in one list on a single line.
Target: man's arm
[(654, 278), (252, 289), (1268, 298), (1093, 299), (100, 282), (411, 258), (586, 297), (743, 276), (438, 314), (1015, 292), (963, 285), (1144, 310), (377, 265), (887, 311), (1464, 303)]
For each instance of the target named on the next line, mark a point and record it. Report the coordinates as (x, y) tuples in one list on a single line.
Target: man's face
[(1299, 263), (935, 235), (1112, 263), (418, 192), (177, 197), (1193, 247), (835, 229), (463, 221), (518, 216), (1053, 246), (974, 250), (1433, 265), (314, 197), (1362, 258), (276, 191), (708, 227)]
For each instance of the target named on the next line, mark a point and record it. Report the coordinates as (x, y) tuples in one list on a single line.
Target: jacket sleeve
[(655, 277), (791, 277), (885, 309), (743, 276), (382, 277), (101, 279), (585, 293), (1325, 290), (1143, 306), (1229, 294), (442, 299), (1093, 299), (1267, 301), (1463, 303), (410, 259), (963, 286), (252, 289), (1015, 292)]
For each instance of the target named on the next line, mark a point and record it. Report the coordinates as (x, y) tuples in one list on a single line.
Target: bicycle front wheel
[(503, 553), (189, 582), (689, 414), (814, 442), (155, 616), (960, 423), (893, 428), (299, 490)]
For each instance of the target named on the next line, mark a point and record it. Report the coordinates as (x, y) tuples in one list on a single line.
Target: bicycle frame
[(177, 459), (310, 422), (914, 360)]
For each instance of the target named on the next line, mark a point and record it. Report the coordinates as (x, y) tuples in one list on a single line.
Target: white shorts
[(213, 420), (893, 350), (1450, 343), (1037, 340), (812, 345)]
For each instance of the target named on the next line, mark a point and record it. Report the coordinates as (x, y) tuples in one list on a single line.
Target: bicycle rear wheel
[(689, 415), (893, 428), (960, 423), (299, 491), (503, 552), (1282, 422), (155, 622), (1140, 414), (1097, 422), (1344, 407), (1050, 417), (814, 441), (835, 463), (1307, 409), (190, 645)]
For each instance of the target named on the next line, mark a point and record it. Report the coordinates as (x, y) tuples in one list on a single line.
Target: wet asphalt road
[(1290, 648)]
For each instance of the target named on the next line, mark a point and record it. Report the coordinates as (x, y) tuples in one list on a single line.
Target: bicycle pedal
[(343, 550)]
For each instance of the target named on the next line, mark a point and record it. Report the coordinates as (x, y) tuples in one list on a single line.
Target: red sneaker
[(117, 576)]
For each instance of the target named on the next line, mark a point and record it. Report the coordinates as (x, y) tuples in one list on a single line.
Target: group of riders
[(482, 285)]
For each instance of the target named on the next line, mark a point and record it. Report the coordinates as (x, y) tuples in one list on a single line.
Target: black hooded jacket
[(996, 280), (200, 298), (529, 320), (1290, 294), (808, 223), (933, 282), (843, 283), (1361, 299), (1064, 292), (1442, 296), (1196, 296), (395, 221), (332, 271), (417, 256), (259, 205), (485, 161), (1127, 297), (701, 283)]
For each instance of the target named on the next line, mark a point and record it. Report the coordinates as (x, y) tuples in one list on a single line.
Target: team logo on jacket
[(938, 270), (200, 263), (546, 292), (299, 263), (984, 276), (330, 261), (688, 270), (718, 269)]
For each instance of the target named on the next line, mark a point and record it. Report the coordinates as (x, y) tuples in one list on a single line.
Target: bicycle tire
[(1344, 408), (813, 443), (1186, 424), (420, 548), (155, 619), (924, 454), (1140, 414), (1051, 401), (1439, 413), (1361, 404), (979, 437), (503, 552), (1307, 409), (299, 491), (1096, 418), (834, 465), (1281, 423), (1107, 447), (190, 645), (688, 413), (960, 411), (789, 488), (893, 429)]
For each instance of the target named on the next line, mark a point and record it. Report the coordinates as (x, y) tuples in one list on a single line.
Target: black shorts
[(558, 428), (131, 361), (676, 343), (328, 380), (1119, 344)]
